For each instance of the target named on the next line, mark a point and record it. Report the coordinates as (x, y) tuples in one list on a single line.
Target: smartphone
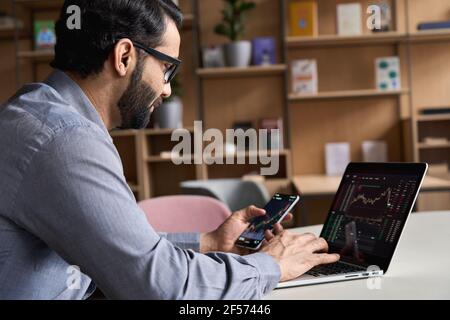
[(276, 210)]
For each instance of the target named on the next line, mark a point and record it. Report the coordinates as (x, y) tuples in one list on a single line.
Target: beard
[(134, 105)]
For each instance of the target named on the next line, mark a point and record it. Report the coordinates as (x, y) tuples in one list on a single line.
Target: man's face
[(147, 87)]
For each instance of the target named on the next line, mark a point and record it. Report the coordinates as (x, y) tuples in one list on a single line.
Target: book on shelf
[(435, 111), (240, 129), (304, 76), (264, 51), (275, 141), (375, 151), (213, 57), (349, 19), (337, 157), (44, 34), (303, 19), (433, 25), (387, 70), (9, 23), (435, 141)]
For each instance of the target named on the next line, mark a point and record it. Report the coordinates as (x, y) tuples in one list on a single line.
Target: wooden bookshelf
[(347, 107)]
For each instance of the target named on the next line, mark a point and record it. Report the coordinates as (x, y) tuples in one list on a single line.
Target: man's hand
[(223, 239), (297, 254)]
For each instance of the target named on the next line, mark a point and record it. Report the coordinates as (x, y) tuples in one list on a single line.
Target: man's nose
[(167, 91)]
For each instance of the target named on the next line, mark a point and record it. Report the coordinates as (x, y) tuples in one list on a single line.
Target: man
[(64, 201)]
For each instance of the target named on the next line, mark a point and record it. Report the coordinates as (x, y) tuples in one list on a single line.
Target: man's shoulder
[(40, 106)]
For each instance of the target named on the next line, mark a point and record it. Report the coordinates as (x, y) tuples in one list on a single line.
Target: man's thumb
[(251, 212)]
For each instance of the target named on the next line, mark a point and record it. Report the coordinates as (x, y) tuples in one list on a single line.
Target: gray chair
[(235, 193)]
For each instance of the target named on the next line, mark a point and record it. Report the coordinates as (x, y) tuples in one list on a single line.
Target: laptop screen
[(370, 210)]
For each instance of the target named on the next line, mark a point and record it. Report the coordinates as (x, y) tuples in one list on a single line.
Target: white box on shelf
[(337, 157), (375, 151), (349, 19), (387, 70), (304, 76)]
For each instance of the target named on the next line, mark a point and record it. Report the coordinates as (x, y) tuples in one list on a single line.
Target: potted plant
[(170, 114), (237, 52)]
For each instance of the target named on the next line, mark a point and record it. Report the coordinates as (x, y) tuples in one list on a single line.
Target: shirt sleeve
[(183, 240), (82, 208)]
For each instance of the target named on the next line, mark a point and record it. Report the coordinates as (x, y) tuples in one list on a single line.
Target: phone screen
[(276, 209)]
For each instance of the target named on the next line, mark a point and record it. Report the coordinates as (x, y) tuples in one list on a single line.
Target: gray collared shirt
[(64, 202)]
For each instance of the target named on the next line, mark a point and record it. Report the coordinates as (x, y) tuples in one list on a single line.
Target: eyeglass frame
[(170, 73)]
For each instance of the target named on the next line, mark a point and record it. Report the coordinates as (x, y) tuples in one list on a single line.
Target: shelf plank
[(430, 36), (163, 132), (425, 118), (40, 4), (322, 185), (369, 39), (229, 72), (124, 133), (434, 146), (284, 152), (336, 40), (347, 94), (160, 159), (9, 34), (248, 154), (37, 54)]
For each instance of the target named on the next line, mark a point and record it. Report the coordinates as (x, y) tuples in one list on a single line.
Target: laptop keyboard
[(333, 269)]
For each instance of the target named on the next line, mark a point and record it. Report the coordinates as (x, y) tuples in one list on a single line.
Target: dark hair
[(103, 23)]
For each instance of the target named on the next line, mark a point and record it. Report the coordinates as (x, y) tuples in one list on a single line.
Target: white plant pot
[(238, 54), (169, 115)]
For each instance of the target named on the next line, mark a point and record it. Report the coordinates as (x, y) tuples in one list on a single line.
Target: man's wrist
[(207, 242)]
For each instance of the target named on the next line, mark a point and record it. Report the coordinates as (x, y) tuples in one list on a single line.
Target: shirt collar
[(71, 92)]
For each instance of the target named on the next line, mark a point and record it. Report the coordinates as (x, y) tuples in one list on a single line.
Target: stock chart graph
[(368, 213)]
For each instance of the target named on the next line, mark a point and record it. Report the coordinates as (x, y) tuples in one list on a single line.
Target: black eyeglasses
[(174, 63)]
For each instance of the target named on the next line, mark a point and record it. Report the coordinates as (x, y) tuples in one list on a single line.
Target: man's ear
[(124, 54)]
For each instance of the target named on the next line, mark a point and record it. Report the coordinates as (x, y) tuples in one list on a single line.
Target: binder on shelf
[(349, 19), (387, 70), (434, 25), (304, 76), (303, 18)]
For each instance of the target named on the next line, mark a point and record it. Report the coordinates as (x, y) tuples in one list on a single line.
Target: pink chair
[(177, 214)]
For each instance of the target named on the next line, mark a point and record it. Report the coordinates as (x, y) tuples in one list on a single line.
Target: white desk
[(419, 270)]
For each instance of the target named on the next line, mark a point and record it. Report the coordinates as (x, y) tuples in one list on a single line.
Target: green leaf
[(222, 30), (247, 6), (233, 18)]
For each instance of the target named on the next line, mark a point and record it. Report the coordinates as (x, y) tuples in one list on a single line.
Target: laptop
[(365, 222)]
